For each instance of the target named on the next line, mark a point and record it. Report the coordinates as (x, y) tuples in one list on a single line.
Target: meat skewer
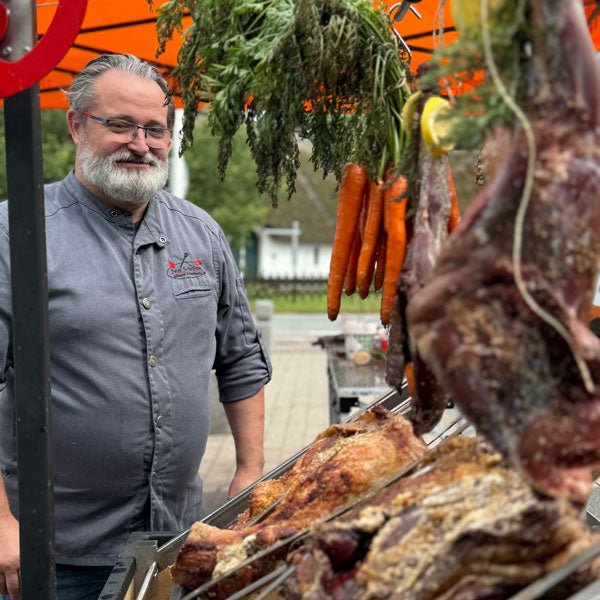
[(343, 463), (465, 526), (218, 586)]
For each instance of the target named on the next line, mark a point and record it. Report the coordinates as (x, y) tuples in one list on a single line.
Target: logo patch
[(185, 267)]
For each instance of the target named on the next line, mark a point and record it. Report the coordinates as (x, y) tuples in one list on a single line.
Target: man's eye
[(156, 132), (119, 126)]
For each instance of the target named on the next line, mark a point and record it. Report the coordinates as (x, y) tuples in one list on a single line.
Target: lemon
[(437, 125), (408, 112), (467, 15)]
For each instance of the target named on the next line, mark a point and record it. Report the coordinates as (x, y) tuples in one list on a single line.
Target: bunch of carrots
[(371, 238)]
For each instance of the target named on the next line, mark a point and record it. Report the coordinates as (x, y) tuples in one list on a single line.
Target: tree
[(235, 202), (58, 151)]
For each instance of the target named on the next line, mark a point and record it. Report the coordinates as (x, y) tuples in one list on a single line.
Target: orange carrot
[(396, 244), (454, 218), (351, 271), (365, 285), (410, 378), (350, 198), (381, 250), (373, 221)]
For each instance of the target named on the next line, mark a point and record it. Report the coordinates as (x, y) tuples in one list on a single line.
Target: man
[(144, 300)]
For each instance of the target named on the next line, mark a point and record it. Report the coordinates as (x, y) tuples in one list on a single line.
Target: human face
[(127, 172)]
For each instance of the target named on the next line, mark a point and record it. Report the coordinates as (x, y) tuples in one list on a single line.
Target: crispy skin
[(323, 448), (468, 528), (344, 462)]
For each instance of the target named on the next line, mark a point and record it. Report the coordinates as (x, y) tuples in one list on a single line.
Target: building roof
[(314, 205)]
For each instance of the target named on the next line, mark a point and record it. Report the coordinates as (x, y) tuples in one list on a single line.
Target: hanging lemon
[(408, 112), (437, 125)]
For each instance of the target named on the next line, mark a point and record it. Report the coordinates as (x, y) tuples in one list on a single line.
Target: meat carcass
[(343, 462), (428, 233), (504, 330)]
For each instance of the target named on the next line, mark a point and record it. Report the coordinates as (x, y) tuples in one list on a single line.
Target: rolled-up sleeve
[(242, 364)]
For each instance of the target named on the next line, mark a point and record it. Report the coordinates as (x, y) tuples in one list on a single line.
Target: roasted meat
[(466, 527), (501, 323), (344, 462), (429, 232)]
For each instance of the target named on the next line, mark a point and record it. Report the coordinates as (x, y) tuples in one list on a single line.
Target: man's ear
[(75, 125)]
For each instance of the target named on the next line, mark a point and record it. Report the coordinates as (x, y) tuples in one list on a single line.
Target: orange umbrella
[(129, 26), (121, 26)]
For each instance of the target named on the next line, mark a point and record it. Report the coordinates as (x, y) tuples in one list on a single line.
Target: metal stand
[(30, 318)]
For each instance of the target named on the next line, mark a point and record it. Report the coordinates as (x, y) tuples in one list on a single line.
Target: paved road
[(310, 326)]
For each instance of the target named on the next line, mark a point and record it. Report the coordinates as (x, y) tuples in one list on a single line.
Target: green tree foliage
[(58, 150), (234, 202)]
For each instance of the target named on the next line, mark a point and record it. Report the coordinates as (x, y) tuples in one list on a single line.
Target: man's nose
[(139, 142)]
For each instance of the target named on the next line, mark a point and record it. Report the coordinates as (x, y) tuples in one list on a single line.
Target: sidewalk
[(296, 410)]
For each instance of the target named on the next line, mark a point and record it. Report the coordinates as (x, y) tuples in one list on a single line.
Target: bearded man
[(144, 301)]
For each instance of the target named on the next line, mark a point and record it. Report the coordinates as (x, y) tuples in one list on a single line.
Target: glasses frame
[(106, 122)]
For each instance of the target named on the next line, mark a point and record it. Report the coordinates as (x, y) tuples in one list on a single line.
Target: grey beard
[(131, 186)]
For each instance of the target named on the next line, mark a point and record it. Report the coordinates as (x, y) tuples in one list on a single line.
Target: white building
[(296, 239)]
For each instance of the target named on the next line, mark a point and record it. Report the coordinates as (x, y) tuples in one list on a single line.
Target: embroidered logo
[(185, 267)]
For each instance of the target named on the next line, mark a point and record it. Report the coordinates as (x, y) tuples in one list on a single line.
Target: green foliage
[(481, 108), (235, 202), (57, 149), (325, 70), (318, 304)]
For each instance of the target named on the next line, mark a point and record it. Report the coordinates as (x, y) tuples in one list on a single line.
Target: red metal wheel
[(15, 76)]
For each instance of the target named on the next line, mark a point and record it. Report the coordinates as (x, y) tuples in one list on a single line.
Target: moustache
[(127, 156)]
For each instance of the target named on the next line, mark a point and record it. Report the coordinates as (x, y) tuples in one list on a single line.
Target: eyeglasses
[(156, 137)]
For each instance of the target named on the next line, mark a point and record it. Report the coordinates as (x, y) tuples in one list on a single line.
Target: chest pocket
[(191, 288)]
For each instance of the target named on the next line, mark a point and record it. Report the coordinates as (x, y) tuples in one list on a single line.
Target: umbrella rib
[(422, 34), (97, 50), (124, 24)]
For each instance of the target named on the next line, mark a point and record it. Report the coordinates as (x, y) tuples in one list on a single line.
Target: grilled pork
[(344, 462), (466, 527), (504, 331)]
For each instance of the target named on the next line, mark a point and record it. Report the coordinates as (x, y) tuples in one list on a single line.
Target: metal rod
[(29, 318), (287, 572), (151, 573), (30, 342), (256, 585), (541, 586), (248, 561)]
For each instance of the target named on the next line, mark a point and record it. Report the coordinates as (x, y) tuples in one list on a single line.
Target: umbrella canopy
[(128, 26), (119, 26)]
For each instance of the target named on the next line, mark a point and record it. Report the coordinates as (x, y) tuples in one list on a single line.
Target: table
[(348, 381)]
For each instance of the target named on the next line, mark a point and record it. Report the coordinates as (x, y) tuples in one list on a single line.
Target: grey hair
[(81, 91)]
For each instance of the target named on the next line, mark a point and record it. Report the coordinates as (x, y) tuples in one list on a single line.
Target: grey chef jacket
[(138, 318)]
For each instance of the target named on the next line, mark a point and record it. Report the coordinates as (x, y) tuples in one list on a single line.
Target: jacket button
[(160, 420), (146, 303), (152, 361)]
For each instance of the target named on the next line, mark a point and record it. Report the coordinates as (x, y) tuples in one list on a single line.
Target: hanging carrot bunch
[(376, 220), (327, 71)]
